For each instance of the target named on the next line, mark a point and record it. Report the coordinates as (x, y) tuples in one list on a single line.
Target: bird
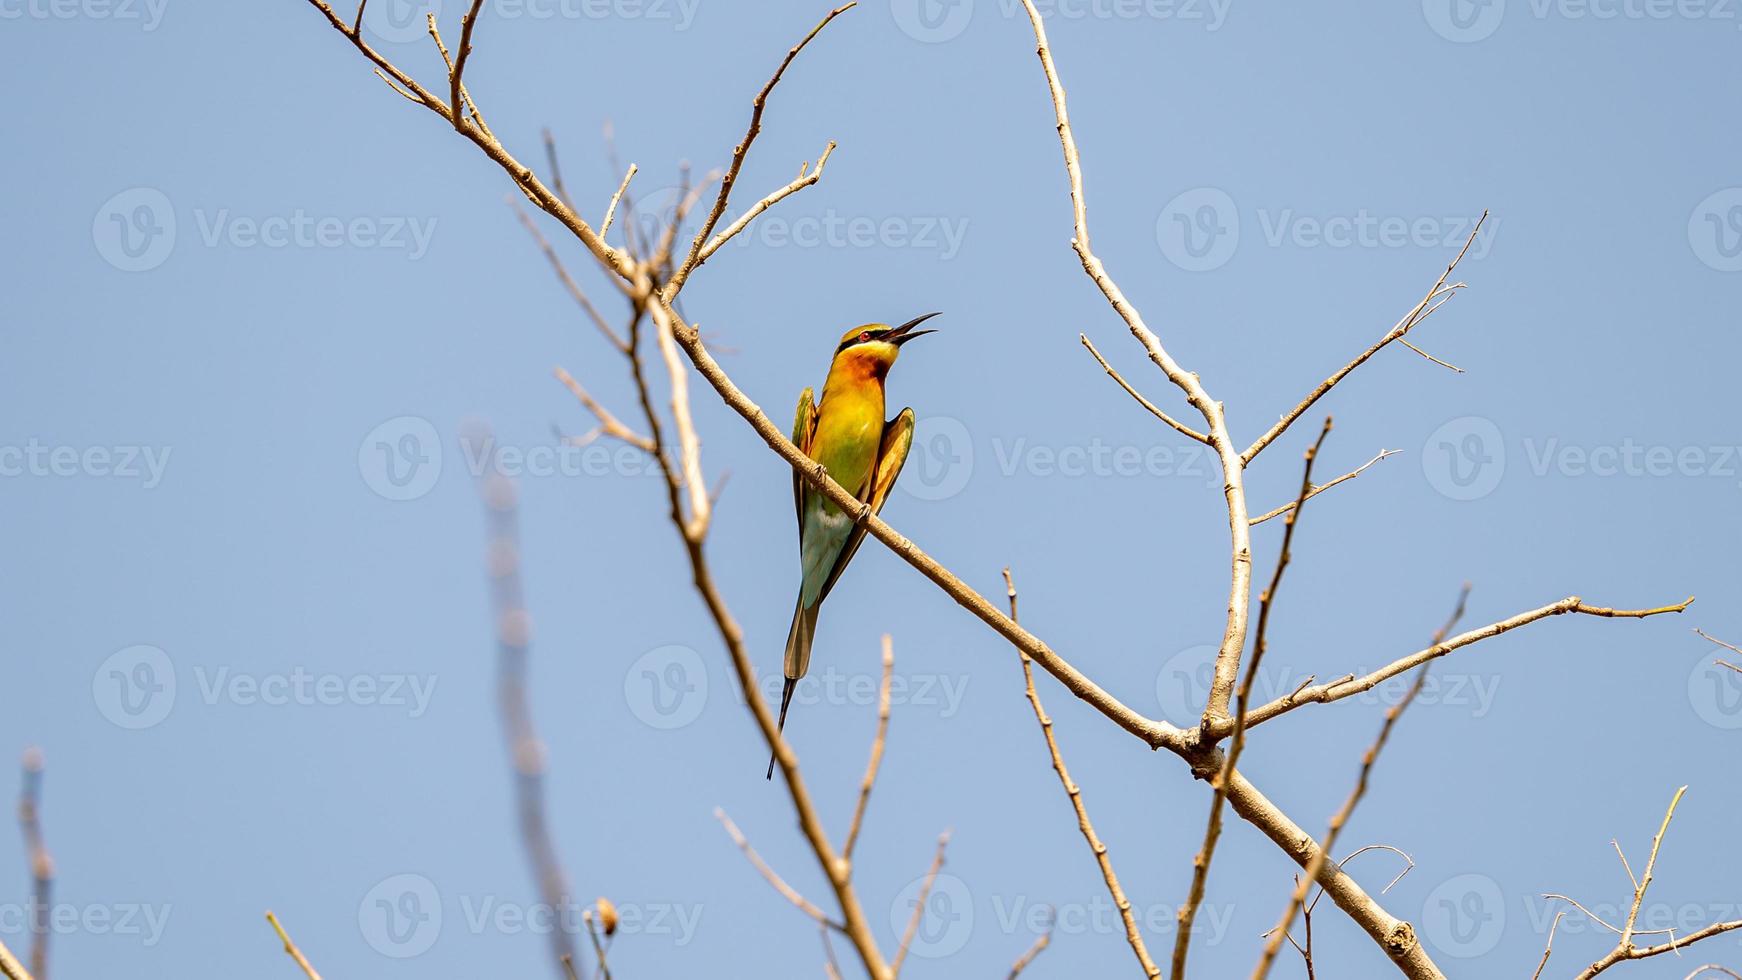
[(847, 434)]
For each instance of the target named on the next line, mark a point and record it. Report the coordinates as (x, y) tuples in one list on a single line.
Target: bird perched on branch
[(846, 433)]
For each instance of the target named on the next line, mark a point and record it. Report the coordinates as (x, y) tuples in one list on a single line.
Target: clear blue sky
[(237, 267)]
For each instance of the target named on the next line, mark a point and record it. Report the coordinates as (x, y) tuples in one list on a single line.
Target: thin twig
[(608, 424), (1548, 947), (562, 273), (291, 950), (1349, 686), (41, 863), (788, 892), (1322, 487), (1040, 943), (526, 752), (1149, 406), (457, 96), (1133, 935), (1420, 312), (806, 178), (704, 235), (1341, 818), (877, 743), (593, 929), (1624, 947), (611, 209), (919, 903), (556, 172)]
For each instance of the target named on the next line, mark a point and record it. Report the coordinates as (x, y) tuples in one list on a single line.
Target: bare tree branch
[(1342, 816), (1349, 686), (1180, 427), (807, 176), (1237, 743), (876, 749), (1227, 666), (608, 423), (1624, 947), (562, 273), (1421, 311), (611, 209), (931, 877), (526, 751), (788, 892), (10, 968), (1548, 947), (1322, 487), (1133, 935), (41, 863), (696, 258), (291, 950), (1728, 646), (1040, 943)]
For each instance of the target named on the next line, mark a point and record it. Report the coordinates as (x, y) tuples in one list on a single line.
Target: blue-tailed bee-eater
[(846, 433)]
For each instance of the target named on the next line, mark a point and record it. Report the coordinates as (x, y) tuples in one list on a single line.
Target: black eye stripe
[(853, 340)]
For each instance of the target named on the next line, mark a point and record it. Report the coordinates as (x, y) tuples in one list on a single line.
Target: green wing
[(891, 456), (804, 426)]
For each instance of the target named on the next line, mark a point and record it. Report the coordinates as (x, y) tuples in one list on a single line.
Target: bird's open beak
[(904, 333)]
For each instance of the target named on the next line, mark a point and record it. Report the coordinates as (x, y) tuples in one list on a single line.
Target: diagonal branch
[(1133, 936), (931, 877), (1349, 686), (877, 743), (562, 273), (526, 751), (609, 425), (790, 893), (41, 863), (1322, 487), (1435, 297), (1149, 406), (807, 176), (290, 949), (1040, 944)]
